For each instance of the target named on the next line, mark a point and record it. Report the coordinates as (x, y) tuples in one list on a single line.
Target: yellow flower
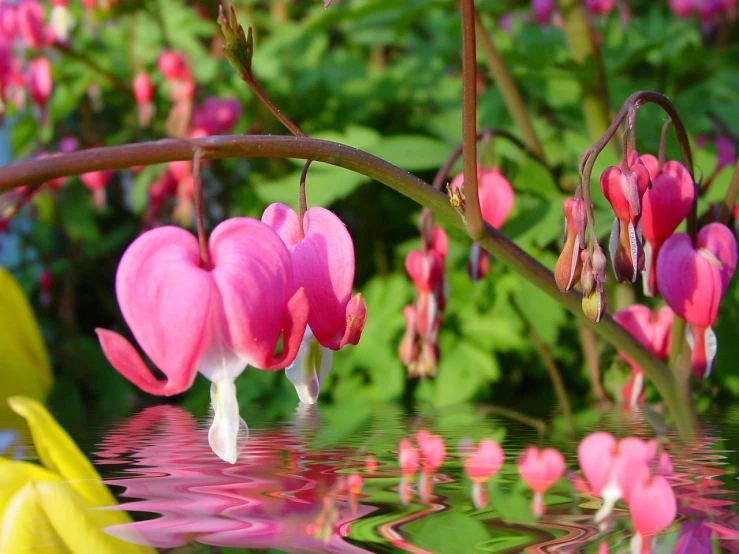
[(54, 508), (24, 363)]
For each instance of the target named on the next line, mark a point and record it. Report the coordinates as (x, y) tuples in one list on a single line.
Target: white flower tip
[(223, 435), (309, 369)]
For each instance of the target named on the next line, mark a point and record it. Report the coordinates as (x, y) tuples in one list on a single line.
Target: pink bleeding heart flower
[(215, 116), (540, 469), (188, 318), (624, 187), (480, 466), (653, 330), (408, 458), (692, 280), (173, 65), (484, 462), (8, 22), (682, 8), (543, 10), (143, 92), (496, 201), (322, 253), (664, 207), (433, 450), (97, 182), (30, 21), (653, 509), (600, 7), (39, 82), (408, 350)]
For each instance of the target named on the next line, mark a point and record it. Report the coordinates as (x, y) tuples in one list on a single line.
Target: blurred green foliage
[(383, 76)]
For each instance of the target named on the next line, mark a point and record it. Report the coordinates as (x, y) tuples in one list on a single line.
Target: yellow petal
[(80, 527), (15, 475), (24, 528), (24, 362), (59, 454)]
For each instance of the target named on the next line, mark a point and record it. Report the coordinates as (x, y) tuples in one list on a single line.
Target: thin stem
[(473, 214), (727, 206), (303, 200), (256, 89), (97, 68), (509, 91), (663, 144), (554, 374), (238, 146), (515, 415), (197, 183), (592, 362)]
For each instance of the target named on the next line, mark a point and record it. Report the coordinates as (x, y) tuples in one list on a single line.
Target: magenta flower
[(682, 8), (543, 10), (188, 318), (600, 7), (322, 255), (8, 21), (664, 207), (540, 469), (97, 182), (693, 279), (143, 92), (624, 187), (215, 116), (30, 21), (39, 82), (653, 330)]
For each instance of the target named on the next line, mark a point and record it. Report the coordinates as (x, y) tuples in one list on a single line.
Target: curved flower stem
[(508, 89), (663, 144), (630, 105), (514, 415), (238, 146), (197, 183), (732, 192), (554, 374), (303, 199), (473, 214)]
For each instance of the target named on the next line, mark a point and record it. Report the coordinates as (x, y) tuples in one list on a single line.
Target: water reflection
[(307, 487)]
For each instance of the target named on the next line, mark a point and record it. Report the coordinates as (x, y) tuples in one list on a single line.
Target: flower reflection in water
[(278, 495)]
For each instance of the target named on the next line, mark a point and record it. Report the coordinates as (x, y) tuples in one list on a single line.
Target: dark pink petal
[(720, 241), (667, 203), (253, 270)]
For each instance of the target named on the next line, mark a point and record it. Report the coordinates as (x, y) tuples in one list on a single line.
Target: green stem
[(509, 91), (38, 171), (584, 49), (473, 214)]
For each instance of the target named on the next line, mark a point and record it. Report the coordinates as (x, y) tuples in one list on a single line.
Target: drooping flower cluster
[(264, 284), (419, 349)]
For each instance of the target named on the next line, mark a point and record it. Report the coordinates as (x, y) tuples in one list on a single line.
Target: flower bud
[(569, 265), (594, 305)]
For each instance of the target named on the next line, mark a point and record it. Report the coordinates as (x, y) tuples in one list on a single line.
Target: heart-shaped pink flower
[(190, 319), (540, 469), (664, 207), (693, 279)]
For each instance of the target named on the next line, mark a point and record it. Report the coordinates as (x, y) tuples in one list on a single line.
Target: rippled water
[(294, 488)]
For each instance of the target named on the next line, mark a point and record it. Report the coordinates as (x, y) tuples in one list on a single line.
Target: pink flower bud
[(543, 10), (8, 21), (569, 265), (143, 88), (173, 65), (38, 81)]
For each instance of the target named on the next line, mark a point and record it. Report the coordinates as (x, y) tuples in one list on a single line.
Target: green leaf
[(412, 152), (448, 533)]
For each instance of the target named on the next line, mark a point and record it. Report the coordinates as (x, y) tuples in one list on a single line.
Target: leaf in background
[(542, 312), (412, 152), (448, 533)]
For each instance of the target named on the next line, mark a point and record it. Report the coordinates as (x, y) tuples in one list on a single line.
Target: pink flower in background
[(653, 330), (143, 92), (433, 452), (693, 279), (97, 182), (189, 319), (682, 8), (30, 21), (8, 21), (664, 207), (173, 65), (215, 116), (624, 187), (540, 469), (543, 10), (408, 458), (38, 81), (600, 7), (496, 201), (322, 254), (725, 151)]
